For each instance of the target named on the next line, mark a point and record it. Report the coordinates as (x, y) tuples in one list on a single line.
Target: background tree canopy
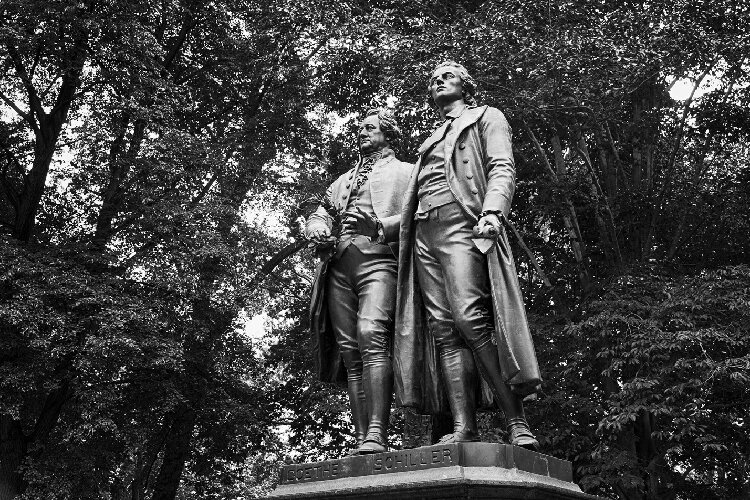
[(156, 159)]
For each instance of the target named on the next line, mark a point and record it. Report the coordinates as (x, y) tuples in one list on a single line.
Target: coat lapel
[(434, 137), (377, 174), (467, 118), (343, 193)]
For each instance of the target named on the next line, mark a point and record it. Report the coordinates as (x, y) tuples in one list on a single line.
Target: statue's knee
[(352, 360), (475, 328), (448, 339), (478, 339), (372, 335)]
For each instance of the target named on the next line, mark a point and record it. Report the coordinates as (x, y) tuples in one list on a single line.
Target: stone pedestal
[(454, 471)]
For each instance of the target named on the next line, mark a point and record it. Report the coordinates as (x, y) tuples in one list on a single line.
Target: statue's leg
[(342, 308), (460, 378), (357, 400), (378, 383), (510, 403), (376, 285), (470, 300), (456, 362)]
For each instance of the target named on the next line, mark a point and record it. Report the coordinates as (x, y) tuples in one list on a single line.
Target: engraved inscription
[(312, 472), (399, 461), (381, 463)]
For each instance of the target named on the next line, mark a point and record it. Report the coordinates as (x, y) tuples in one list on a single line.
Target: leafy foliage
[(157, 155), (663, 356)]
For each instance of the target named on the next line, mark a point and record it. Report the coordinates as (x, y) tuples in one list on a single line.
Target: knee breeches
[(454, 279), (361, 296)]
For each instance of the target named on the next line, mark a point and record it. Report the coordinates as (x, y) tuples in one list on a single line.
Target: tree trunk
[(119, 167), (34, 182), (571, 219), (176, 453), (667, 180), (606, 223), (209, 324), (47, 127), (643, 133), (13, 447)]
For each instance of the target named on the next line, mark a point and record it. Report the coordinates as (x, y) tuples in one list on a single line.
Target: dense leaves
[(664, 357), (156, 156)]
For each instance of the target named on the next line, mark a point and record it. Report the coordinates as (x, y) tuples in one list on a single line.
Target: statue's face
[(445, 85), (371, 138)]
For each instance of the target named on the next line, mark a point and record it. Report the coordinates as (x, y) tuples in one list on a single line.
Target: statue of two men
[(450, 312)]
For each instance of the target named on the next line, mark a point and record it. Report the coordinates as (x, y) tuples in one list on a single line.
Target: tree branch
[(612, 230), (26, 116), (188, 24), (666, 186), (539, 150), (35, 103)]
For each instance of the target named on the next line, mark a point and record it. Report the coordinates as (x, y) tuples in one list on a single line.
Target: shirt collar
[(456, 112), (384, 153)]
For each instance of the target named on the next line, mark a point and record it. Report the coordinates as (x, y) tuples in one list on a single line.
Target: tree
[(139, 138), (173, 125)]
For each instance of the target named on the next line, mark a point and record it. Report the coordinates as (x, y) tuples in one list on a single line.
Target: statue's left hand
[(360, 222), (488, 226)]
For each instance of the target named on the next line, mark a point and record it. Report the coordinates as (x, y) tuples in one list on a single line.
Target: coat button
[(474, 190), (348, 186), (466, 160), (469, 175), (343, 196), (462, 146)]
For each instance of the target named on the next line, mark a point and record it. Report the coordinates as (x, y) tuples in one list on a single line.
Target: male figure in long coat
[(460, 306), (354, 294)]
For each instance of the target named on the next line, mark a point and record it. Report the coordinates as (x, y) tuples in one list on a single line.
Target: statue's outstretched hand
[(360, 222)]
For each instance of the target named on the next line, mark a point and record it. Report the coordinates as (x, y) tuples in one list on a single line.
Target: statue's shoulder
[(471, 115), (346, 176), (492, 113), (402, 164), (339, 182), (402, 169)]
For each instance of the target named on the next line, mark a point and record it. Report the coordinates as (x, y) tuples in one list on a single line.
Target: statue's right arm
[(320, 222)]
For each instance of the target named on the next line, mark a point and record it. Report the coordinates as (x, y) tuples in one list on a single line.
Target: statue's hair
[(468, 84), (388, 124)]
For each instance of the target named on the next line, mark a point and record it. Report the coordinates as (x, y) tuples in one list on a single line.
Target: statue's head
[(450, 81), (377, 130)]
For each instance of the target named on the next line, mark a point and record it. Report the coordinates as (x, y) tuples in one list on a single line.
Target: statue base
[(453, 471)]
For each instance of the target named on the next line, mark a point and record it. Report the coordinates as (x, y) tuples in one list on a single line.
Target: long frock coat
[(481, 175), (387, 183)]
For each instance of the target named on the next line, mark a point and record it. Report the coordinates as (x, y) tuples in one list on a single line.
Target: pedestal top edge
[(470, 455)]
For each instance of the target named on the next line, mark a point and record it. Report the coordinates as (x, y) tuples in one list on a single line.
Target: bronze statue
[(352, 310), (460, 306)]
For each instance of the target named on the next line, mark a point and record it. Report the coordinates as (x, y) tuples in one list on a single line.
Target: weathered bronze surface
[(459, 297), (430, 457), (453, 471), (354, 293)]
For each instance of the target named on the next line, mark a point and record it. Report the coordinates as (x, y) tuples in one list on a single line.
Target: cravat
[(364, 171)]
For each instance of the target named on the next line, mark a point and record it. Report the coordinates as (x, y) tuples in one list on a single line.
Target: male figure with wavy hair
[(354, 294), (460, 306)]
